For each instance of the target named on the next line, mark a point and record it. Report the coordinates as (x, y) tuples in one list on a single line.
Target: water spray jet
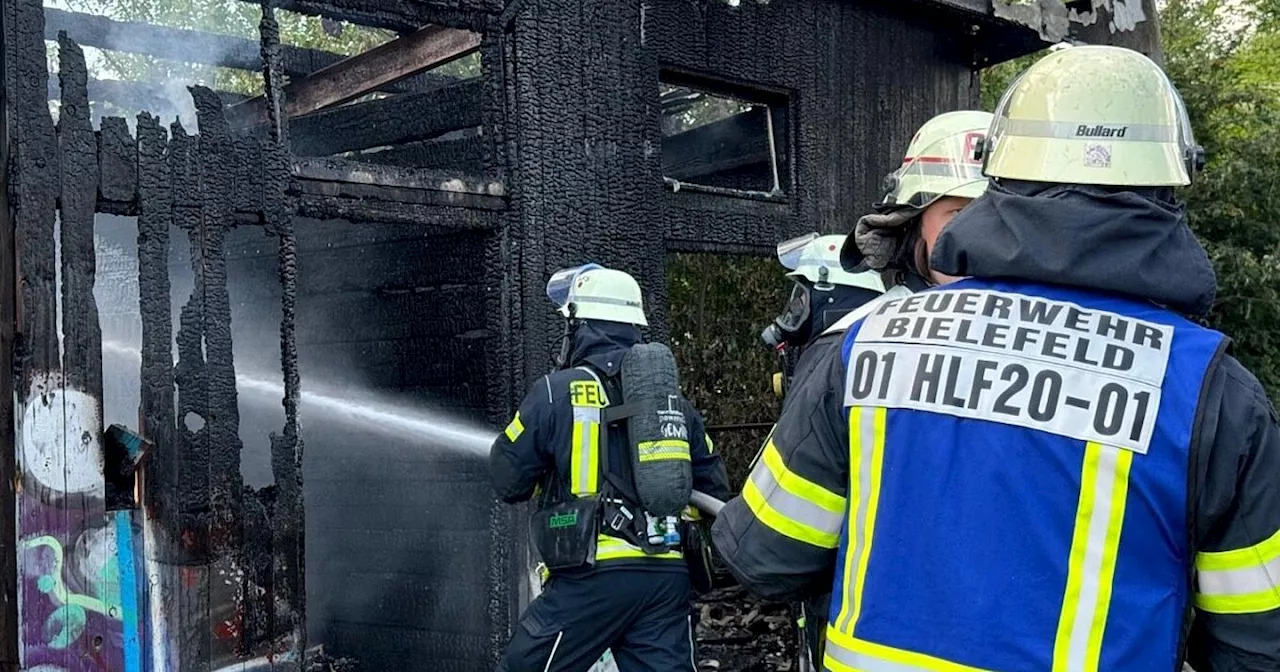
[(368, 414)]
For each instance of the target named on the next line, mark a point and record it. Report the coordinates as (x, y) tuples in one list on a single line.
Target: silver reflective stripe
[(1095, 549), (605, 300), (1064, 130), (865, 663), (866, 430), (693, 664), (793, 507), (949, 169), (1240, 581), (554, 648)]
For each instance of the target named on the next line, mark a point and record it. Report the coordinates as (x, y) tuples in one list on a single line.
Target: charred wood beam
[(358, 75), (465, 155), (718, 146), (437, 217), (193, 46), (399, 15), (178, 44), (352, 172), (389, 121)]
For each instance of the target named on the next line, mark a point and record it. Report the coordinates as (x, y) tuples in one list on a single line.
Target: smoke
[(358, 410)]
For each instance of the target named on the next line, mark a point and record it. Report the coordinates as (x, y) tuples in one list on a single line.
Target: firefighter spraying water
[(611, 452)]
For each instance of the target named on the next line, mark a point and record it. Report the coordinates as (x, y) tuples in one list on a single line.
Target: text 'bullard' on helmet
[(1093, 115), (593, 292), (943, 159)]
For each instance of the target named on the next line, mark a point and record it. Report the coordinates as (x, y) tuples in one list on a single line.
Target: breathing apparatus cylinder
[(658, 434)]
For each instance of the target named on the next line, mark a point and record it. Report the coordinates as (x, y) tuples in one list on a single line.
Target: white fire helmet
[(817, 259), (943, 159), (597, 293), (1093, 115)]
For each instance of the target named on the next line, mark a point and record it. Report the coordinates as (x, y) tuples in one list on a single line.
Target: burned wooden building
[(299, 247)]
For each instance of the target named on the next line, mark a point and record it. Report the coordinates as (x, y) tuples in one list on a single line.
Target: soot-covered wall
[(391, 324), (857, 79)]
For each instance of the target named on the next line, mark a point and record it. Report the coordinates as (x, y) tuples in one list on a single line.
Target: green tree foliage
[(719, 305)]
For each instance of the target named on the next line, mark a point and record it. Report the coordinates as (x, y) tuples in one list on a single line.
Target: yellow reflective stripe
[(844, 653), (515, 429), (866, 457), (613, 548), (1091, 566), (799, 485), (783, 524), (663, 449), (1240, 581), (711, 445), (1247, 603), (584, 453), (1240, 558)]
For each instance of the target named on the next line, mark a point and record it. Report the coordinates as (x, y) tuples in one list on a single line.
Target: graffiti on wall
[(70, 550)]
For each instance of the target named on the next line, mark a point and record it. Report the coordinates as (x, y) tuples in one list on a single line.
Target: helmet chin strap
[(560, 360)]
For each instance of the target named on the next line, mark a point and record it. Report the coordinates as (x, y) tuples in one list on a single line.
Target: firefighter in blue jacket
[(1044, 466), (622, 597)]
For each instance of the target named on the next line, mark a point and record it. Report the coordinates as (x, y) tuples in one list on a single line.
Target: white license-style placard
[(1021, 360)]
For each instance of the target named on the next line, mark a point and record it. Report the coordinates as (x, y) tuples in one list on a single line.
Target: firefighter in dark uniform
[(835, 284), (622, 596)]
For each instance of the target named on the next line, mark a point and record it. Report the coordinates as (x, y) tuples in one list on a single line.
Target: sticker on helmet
[(1097, 156)]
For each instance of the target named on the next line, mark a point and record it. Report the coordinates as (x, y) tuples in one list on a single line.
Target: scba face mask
[(792, 325)]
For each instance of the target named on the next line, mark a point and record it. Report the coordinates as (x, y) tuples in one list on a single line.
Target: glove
[(880, 237)]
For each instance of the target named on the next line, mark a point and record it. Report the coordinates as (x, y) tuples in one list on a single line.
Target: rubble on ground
[(740, 633)]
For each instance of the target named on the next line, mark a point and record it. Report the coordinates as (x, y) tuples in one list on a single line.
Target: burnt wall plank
[(82, 335), (156, 398), (191, 444), (216, 157), (288, 540), (34, 189), (9, 622), (389, 121), (117, 161)]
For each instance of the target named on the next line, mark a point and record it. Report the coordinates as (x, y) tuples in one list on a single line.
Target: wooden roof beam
[(358, 75)]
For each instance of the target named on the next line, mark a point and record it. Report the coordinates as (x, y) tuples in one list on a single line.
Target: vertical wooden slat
[(89, 541), (155, 217), (190, 620), (288, 540), (8, 477), (216, 157), (39, 426)]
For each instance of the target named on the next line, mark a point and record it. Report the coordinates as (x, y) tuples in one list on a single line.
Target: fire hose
[(711, 506)]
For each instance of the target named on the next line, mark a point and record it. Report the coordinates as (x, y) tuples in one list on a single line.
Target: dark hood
[(1081, 236), (602, 345)]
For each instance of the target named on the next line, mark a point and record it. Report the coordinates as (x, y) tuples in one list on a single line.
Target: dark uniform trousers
[(642, 615)]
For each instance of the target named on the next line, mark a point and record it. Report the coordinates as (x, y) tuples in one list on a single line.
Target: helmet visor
[(561, 282), (949, 166), (789, 251)]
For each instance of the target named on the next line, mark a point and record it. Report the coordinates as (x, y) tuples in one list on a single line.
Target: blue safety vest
[(1018, 482)]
